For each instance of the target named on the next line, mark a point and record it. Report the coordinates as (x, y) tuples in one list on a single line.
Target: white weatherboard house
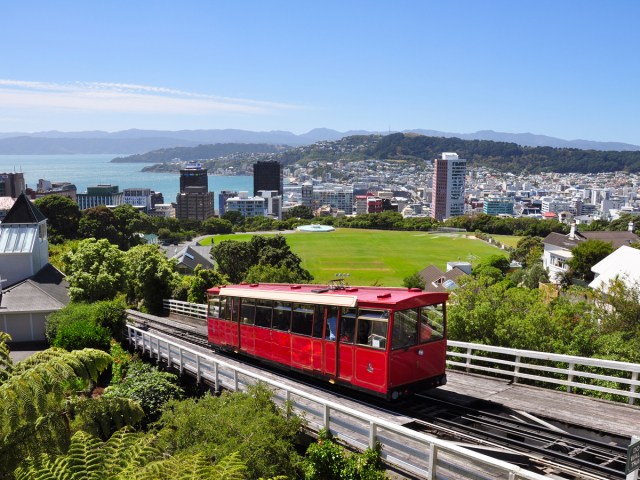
[(623, 264), (31, 287)]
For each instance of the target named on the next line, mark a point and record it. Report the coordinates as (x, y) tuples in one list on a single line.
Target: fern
[(6, 363), (32, 413), (230, 467)]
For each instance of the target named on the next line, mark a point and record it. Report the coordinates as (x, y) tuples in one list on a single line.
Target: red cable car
[(385, 341)]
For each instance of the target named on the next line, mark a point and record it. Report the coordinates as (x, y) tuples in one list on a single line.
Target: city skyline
[(563, 69)]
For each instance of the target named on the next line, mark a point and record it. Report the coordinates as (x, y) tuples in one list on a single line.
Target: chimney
[(631, 227), (572, 232)]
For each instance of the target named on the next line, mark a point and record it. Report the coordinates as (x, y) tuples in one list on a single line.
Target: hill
[(503, 156), (140, 141), (198, 153)]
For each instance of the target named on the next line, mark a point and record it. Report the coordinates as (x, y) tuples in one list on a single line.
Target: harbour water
[(90, 170)]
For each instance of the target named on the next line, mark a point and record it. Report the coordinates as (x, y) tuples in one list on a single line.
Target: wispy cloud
[(125, 98)]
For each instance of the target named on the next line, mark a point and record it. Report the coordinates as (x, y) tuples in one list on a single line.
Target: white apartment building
[(246, 205)]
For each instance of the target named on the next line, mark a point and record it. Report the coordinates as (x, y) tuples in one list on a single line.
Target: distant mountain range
[(141, 141)]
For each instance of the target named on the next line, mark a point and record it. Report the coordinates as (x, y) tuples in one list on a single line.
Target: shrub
[(82, 334), (71, 313), (148, 386), (112, 315), (121, 361)]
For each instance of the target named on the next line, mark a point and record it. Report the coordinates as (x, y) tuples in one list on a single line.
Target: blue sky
[(569, 69)]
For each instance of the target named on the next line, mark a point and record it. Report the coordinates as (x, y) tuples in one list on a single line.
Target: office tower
[(195, 201), (448, 186), (267, 175), (193, 175)]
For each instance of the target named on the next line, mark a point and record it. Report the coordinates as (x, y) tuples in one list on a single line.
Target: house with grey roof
[(192, 255), (438, 281), (557, 247), (30, 287)]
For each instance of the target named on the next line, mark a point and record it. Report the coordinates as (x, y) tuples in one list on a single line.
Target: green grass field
[(510, 240), (377, 256)]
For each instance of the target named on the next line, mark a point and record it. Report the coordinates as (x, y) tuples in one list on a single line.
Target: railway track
[(522, 439), (494, 431)]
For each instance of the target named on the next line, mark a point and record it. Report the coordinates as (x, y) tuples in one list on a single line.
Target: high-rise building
[(246, 205), (267, 175), (193, 175), (448, 186), (12, 184), (195, 201)]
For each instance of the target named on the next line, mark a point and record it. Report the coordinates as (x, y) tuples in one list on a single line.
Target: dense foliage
[(247, 423), (148, 386), (93, 323), (270, 254)]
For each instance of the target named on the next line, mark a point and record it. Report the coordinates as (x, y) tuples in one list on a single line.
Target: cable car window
[(318, 321), (405, 328), (281, 316), (214, 306), (235, 306), (263, 313), (302, 319), (347, 324), (432, 323), (331, 330), (247, 311), (372, 328)]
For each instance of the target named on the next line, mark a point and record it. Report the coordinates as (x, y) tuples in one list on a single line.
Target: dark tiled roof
[(45, 291), (617, 239), (23, 211), (190, 258), (434, 278)]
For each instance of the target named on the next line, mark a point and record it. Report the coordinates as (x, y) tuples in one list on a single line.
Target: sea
[(90, 170)]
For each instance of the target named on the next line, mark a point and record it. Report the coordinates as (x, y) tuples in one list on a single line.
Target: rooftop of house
[(23, 211)]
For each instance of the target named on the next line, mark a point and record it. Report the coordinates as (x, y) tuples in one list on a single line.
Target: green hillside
[(377, 256)]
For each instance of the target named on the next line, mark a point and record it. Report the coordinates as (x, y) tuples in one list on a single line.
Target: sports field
[(377, 256)]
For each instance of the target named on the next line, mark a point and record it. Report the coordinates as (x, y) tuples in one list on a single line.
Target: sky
[(564, 68)]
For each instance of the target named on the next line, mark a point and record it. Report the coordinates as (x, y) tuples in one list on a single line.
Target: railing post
[(516, 369), (433, 461), (469, 350), (327, 418), (181, 362), (632, 387), (169, 365), (235, 381), (197, 369), (158, 348), (572, 367), (373, 435), (216, 379)]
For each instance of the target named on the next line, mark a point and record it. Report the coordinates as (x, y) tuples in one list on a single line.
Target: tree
[(95, 271), (528, 251), (262, 273), (217, 226), (618, 308), (299, 211), (149, 277), (585, 255), (234, 217), (414, 281), (34, 416), (233, 259), (63, 217), (203, 279), (100, 223), (129, 222)]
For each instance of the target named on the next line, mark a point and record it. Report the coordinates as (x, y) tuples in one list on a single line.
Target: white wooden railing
[(548, 369), (195, 310), (420, 454)]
